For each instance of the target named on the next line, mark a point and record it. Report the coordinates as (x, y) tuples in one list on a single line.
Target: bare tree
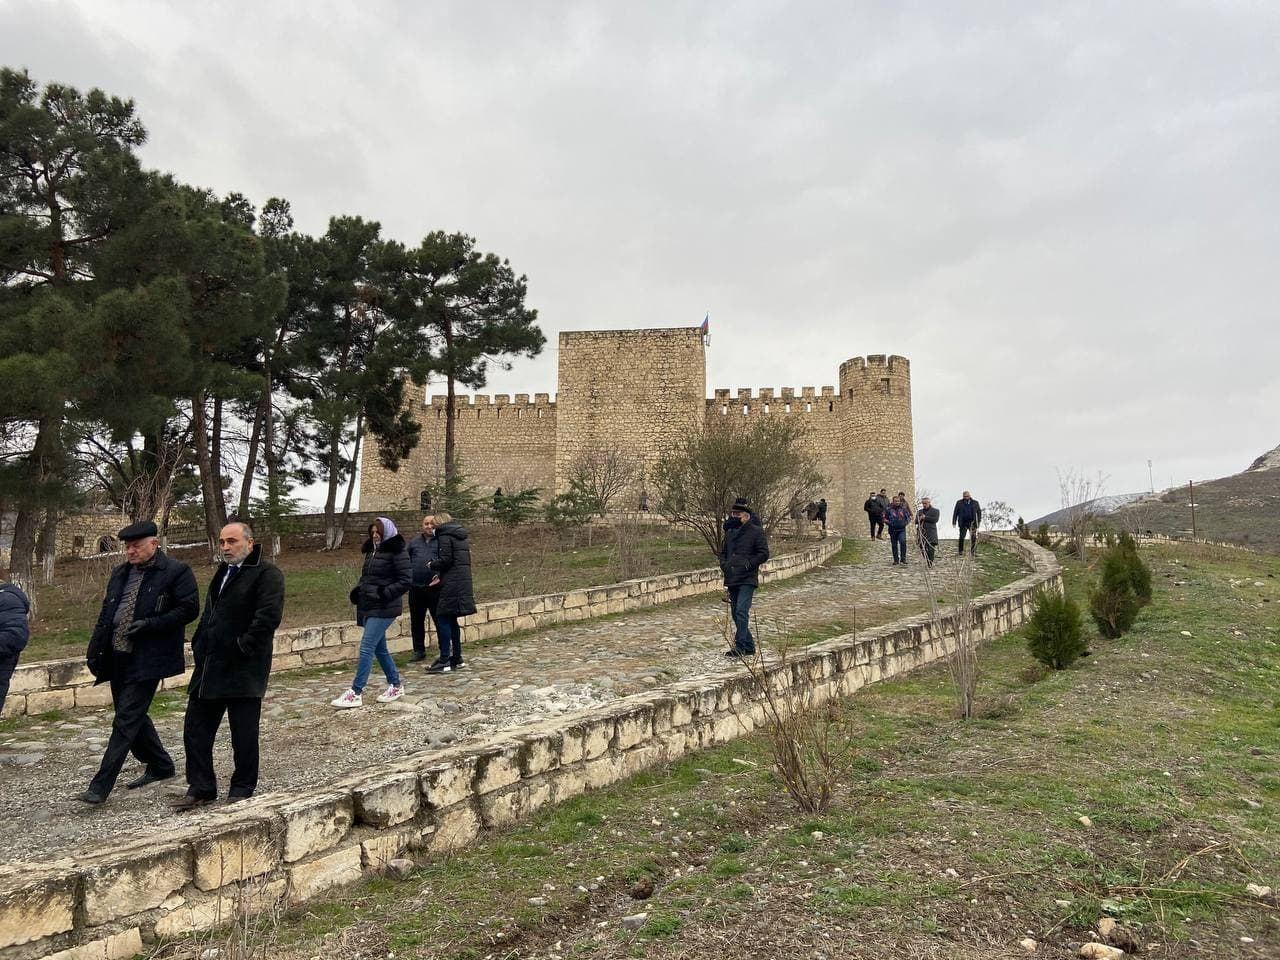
[(949, 586), (1079, 495), (997, 515), (765, 459), (604, 473)]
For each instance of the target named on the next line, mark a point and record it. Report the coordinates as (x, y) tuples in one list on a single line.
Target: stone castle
[(643, 390)]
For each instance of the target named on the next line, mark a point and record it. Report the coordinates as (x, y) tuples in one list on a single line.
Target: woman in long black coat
[(451, 571), (384, 579)]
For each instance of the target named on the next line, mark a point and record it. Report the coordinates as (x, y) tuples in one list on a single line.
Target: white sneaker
[(348, 701), (391, 693)]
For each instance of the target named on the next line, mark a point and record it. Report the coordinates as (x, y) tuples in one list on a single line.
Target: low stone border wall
[(67, 684), (276, 851)]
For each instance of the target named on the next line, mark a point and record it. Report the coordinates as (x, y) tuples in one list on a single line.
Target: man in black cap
[(745, 548), (233, 647), (136, 643)]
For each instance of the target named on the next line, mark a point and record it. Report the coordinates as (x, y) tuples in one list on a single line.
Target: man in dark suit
[(136, 643), (233, 646)]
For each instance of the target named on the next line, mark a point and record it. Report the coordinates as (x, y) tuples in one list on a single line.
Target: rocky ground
[(44, 761)]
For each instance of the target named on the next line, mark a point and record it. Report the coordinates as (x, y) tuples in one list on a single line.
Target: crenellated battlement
[(771, 400), (485, 400)]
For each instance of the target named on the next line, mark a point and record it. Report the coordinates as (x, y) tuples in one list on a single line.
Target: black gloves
[(137, 628)]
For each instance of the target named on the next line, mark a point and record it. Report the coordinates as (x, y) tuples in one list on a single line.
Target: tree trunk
[(215, 454), (22, 550), (214, 512), (449, 415), (251, 458), (49, 545), (332, 531), (351, 481)]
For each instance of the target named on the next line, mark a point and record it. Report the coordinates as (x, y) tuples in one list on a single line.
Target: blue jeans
[(450, 636), (898, 540), (374, 644), (740, 604)]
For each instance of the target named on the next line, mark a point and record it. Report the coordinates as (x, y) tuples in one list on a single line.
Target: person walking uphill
[(451, 574), (968, 513), (233, 646), (875, 515), (136, 643), (15, 631), (927, 529), (897, 517), (422, 596), (384, 579), (745, 548)]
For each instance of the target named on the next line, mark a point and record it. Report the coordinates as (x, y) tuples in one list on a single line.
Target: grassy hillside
[(1141, 785), (1243, 509)]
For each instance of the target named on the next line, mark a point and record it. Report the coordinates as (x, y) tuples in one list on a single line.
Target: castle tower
[(876, 434), (641, 391)]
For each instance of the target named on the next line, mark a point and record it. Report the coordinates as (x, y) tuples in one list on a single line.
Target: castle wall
[(641, 390), (501, 442)]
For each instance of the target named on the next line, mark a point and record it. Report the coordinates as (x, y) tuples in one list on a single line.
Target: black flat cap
[(139, 530)]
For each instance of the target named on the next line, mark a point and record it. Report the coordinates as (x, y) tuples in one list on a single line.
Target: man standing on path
[(451, 575), (927, 529), (745, 548), (423, 549), (822, 514), (875, 514), (136, 643), (883, 499), (15, 631), (898, 517), (968, 514), (232, 646)]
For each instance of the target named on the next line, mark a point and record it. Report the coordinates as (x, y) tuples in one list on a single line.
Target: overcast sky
[(1065, 215)]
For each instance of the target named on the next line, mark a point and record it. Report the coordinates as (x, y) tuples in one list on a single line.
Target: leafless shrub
[(604, 472), (629, 539), (810, 739), (949, 585), (1078, 494)]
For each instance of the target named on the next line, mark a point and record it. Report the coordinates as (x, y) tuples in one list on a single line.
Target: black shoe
[(238, 797), (457, 664), (146, 778), (91, 798), (417, 657), (187, 803), (736, 654), (440, 666)]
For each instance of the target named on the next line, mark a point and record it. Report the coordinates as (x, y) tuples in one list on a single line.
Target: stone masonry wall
[(640, 390), (279, 851), (66, 684), (501, 442)]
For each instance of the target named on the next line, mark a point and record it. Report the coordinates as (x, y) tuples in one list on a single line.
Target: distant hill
[(1102, 506), (1243, 508)]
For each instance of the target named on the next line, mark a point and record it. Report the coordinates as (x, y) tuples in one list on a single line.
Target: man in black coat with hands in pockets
[(745, 548), (136, 643), (233, 646)]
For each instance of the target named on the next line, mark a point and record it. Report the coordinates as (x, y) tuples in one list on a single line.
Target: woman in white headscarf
[(384, 579)]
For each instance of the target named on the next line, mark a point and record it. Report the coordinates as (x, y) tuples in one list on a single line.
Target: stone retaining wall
[(279, 851), (67, 684)]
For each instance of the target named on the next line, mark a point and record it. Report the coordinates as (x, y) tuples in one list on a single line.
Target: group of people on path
[(434, 569), (896, 515)]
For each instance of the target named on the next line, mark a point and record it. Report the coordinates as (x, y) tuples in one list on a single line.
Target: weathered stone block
[(597, 734), (246, 900), (379, 850), (117, 946), (335, 869), (45, 701), (456, 827), (602, 771), (27, 679), (308, 638), (32, 907), (507, 610), (497, 767), (136, 881), (641, 758), (566, 782), (388, 800), (539, 752), (501, 808), (15, 705), (316, 823), (633, 726), (450, 783), (68, 673), (239, 851)]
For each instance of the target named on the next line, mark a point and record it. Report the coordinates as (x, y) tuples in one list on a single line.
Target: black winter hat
[(740, 506), (139, 531)]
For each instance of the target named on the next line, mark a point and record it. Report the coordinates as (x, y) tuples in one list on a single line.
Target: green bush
[(1139, 572), (1055, 635), (1114, 603), (1042, 536), (513, 509)]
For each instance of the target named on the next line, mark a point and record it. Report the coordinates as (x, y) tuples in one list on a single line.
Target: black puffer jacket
[(453, 566), (168, 600), (384, 579), (745, 548), (236, 637), (14, 629)]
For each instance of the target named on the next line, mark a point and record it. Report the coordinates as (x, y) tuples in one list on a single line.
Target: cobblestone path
[(509, 682)]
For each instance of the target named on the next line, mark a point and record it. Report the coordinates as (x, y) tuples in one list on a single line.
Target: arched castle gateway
[(643, 390)]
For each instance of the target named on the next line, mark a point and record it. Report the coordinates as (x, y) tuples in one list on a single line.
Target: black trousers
[(421, 600), (131, 732), (200, 729), (929, 549), (8, 664), (972, 530)]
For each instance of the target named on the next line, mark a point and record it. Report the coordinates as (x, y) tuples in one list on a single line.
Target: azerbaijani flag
[(706, 324)]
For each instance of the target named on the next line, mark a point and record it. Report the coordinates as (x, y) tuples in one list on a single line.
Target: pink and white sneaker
[(391, 693), (348, 701)]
